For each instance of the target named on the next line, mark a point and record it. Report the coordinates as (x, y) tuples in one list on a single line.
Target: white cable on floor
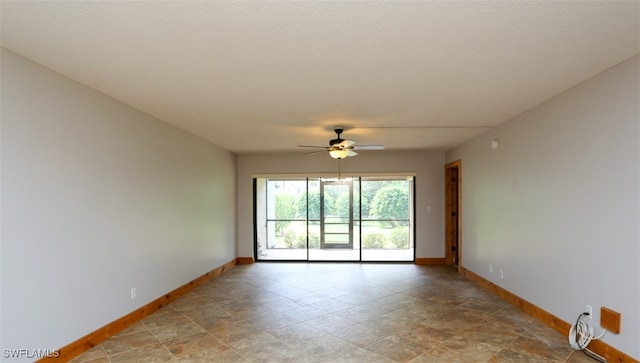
[(581, 334)]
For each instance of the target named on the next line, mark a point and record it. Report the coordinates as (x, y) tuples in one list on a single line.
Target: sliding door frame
[(354, 226)]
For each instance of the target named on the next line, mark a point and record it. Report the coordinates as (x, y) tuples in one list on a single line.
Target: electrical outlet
[(501, 274), (589, 310), (133, 293)]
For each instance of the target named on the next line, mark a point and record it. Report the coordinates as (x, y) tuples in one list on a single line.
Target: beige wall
[(556, 206), (427, 166), (98, 198)]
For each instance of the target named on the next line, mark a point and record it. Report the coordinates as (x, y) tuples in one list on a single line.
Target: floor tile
[(305, 313), (175, 329), (96, 354), (218, 354), (124, 343), (397, 348), (337, 313), (150, 353), (443, 354), (330, 323), (235, 332), (332, 305), (190, 344), (360, 334), (529, 348), (264, 347), (298, 335), (139, 326)]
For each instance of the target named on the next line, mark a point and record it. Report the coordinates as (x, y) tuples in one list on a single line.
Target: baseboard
[(90, 340), (431, 261), (610, 353), (244, 260)]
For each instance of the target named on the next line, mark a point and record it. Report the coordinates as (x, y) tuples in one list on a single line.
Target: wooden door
[(453, 199)]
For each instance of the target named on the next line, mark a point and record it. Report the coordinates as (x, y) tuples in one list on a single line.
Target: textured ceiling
[(267, 76)]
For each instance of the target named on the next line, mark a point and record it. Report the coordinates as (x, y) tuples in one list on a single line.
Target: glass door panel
[(336, 207), (387, 219), (282, 206)]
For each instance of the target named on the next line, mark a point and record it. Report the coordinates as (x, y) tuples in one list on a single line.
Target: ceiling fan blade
[(352, 153), (432, 127), (347, 143), (368, 147), (317, 147), (316, 152)]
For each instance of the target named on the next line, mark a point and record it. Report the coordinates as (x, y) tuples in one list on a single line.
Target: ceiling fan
[(341, 148)]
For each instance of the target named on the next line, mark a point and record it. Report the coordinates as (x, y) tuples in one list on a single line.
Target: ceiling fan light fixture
[(339, 153)]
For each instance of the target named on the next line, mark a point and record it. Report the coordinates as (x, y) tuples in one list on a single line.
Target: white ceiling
[(267, 76)]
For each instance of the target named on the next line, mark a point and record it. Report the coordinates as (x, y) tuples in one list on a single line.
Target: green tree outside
[(342, 205), (285, 209), (391, 202)]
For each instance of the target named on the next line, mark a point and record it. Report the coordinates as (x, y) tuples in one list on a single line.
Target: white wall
[(98, 198), (557, 205), (427, 166)]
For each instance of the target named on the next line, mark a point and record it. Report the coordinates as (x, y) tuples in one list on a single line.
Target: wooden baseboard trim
[(610, 353), (244, 260), (90, 340), (431, 261)]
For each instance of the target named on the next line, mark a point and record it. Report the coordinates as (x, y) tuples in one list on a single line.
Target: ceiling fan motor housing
[(338, 139)]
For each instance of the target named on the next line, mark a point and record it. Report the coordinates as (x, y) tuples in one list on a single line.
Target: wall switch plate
[(501, 274), (490, 268), (133, 293)]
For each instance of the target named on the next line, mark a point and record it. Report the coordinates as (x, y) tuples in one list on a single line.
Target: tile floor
[(299, 312)]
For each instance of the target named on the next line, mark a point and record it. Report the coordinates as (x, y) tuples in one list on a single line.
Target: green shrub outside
[(314, 241), (289, 238), (374, 240), (292, 239), (400, 237)]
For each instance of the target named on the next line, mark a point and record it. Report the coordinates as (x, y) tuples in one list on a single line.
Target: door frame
[(450, 255)]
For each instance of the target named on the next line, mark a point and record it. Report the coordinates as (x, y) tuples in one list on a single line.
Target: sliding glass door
[(329, 219)]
